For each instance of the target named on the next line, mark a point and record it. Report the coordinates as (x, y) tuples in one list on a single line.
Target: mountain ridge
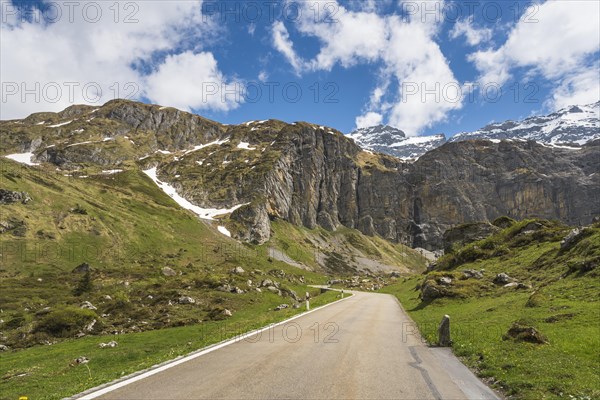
[(574, 125), (311, 175)]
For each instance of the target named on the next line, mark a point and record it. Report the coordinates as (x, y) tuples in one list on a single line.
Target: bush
[(504, 222), (85, 285), (65, 322)]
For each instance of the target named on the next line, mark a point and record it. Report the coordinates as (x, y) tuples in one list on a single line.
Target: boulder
[(273, 289), (80, 360), (87, 305), (225, 288), (82, 268), (9, 197), (523, 333), (167, 271), (445, 281), (89, 327), (186, 300), (502, 279), (266, 283), (430, 292), (471, 273), (571, 239)]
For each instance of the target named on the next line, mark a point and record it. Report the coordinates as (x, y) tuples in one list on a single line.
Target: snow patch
[(204, 213), (23, 158), (224, 231), (245, 146), (61, 124), (199, 147)]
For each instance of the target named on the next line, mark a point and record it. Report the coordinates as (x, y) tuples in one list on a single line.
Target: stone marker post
[(444, 332), (307, 301)]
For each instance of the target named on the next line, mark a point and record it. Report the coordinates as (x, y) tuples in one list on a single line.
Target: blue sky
[(426, 67)]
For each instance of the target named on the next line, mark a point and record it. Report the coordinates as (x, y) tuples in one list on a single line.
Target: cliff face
[(328, 182), (315, 176)]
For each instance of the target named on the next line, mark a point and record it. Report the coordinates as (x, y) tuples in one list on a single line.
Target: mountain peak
[(393, 141)]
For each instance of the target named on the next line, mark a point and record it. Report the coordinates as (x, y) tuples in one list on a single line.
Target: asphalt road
[(364, 349)]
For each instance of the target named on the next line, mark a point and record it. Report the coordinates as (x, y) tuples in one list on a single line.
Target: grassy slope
[(340, 252), (129, 231), (44, 372), (563, 305)]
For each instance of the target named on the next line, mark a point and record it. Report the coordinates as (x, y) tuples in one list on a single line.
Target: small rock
[(502, 279), (395, 274), (90, 326), (238, 270), (186, 300), (237, 290), (167, 271), (82, 268), (39, 279), (471, 273), (273, 289), (266, 283), (571, 239), (87, 305), (296, 306), (227, 313), (445, 281), (80, 360), (107, 297), (4, 348), (224, 288), (259, 290), (281, 307), (149, 297), (511, 285), (112, 343), (249, 282), (525, 334), (430, 292)]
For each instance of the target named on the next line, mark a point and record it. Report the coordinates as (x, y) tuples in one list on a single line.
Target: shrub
[(65, 322), (85, 285)]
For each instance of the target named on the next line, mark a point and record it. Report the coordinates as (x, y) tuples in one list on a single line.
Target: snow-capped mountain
[(389, 140), (573, 124)]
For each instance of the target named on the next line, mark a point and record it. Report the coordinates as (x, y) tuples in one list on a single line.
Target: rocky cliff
[(313, 176)]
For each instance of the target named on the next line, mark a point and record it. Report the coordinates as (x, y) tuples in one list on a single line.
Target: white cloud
[(474, 36), (405, 47), (577, 88), (263, 76), (282, 42), (369, 119), (557, 46), (70, 54), (192, 81)]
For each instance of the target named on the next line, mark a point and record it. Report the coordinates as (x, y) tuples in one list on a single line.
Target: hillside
[(524, 307)]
